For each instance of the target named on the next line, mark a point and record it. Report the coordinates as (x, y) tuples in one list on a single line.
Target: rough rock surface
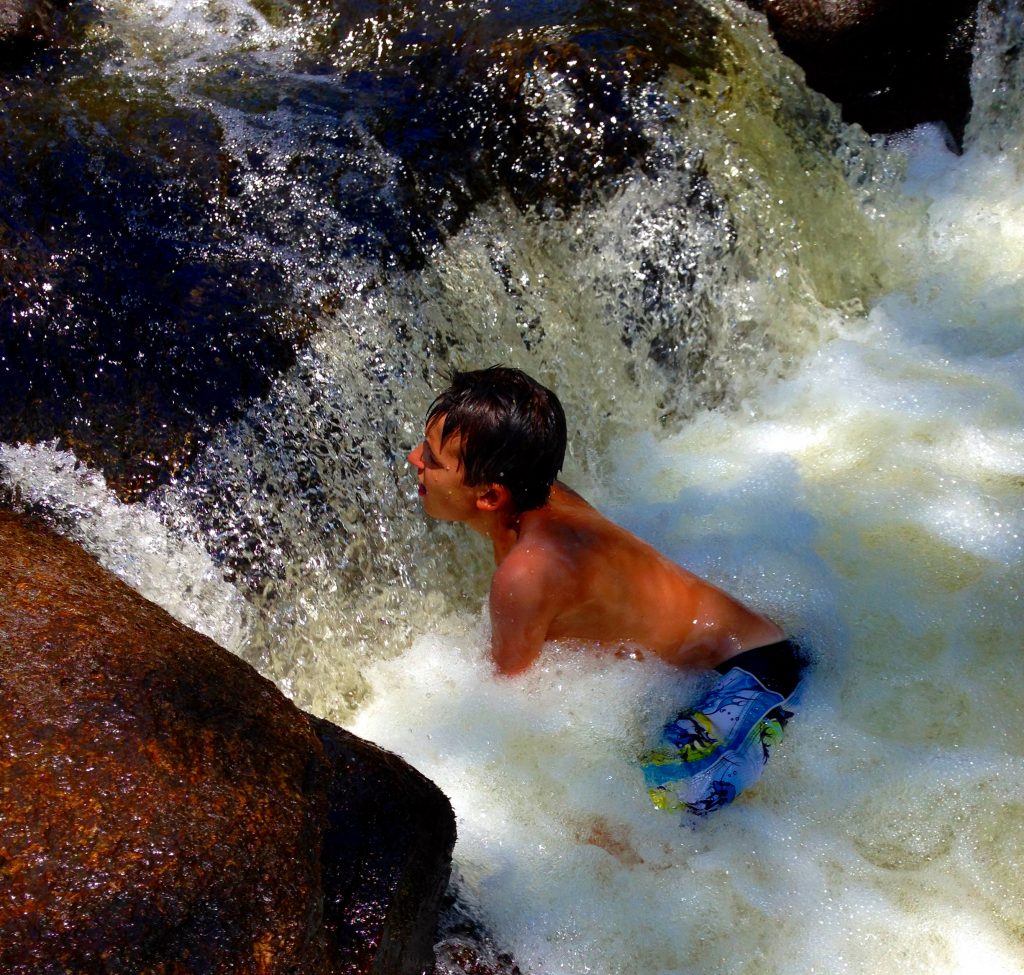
[(167, 810), (25, 21), (128, 325), (386, 857), (890, 64)]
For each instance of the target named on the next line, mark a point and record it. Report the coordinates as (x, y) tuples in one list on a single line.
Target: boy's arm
[(523, 603)]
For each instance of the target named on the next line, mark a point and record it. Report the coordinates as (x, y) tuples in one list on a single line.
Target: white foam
[(172, 570), (871, 499)]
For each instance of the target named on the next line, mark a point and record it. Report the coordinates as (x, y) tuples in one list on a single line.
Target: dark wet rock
[(135, 311), (168, 810), (546, 105), (464, 945), (25, 22), (549, 104), (890, 64), (558, 122), (36, 33), (386, 857)]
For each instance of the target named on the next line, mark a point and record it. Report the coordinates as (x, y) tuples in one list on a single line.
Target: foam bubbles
[(871, 501), (171, 569)]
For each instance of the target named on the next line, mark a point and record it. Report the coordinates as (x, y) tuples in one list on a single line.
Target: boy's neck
[(505, 526), (506, 537), (503, 529)]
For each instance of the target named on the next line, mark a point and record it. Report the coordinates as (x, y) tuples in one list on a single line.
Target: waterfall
[(790, 355)]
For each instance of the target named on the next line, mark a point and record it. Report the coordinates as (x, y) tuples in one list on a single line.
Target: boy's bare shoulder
[(536, 558), (539, 568), (529, 590)]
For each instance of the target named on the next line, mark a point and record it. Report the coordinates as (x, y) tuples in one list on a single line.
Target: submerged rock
[(890, 64), (465, 946), (166, 809)]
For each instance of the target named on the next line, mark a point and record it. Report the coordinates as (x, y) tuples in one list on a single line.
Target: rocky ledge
[(167, 810), (25, 21), (890, 64)]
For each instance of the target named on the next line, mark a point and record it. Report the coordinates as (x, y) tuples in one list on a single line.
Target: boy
[(493, 446)]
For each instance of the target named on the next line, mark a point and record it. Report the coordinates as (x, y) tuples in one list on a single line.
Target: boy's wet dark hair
[(512, 429)]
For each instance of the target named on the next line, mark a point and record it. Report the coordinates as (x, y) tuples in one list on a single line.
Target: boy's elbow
[(512, 664), (510, 670)]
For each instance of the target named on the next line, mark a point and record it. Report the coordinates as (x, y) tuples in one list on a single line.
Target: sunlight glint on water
[(861, 483), (871, 500)]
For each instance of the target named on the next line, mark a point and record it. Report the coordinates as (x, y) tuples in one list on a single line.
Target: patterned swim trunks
[(710, 753)]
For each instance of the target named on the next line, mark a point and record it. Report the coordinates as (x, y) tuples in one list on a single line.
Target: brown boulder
[(890, 64), (167, 810)]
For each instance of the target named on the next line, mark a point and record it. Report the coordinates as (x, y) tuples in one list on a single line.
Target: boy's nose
[(416, 457)]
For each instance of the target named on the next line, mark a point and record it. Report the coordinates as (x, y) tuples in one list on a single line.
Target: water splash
[(172, 569), (797, 374)]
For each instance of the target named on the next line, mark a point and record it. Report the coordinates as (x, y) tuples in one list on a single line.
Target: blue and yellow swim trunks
[(709, 753)]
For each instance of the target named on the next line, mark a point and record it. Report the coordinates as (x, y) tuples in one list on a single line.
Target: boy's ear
[(494, 497)]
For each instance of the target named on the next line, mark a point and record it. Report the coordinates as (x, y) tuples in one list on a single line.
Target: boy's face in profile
[(443, 490)]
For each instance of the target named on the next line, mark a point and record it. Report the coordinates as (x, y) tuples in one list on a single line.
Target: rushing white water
[(170, 568), (849, 459), (872, 499)]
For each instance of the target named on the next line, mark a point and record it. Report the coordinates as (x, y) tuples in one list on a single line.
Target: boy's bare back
[(567, 573), (492, 447)]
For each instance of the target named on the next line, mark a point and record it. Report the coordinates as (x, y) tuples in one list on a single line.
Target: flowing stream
[(791, 357)]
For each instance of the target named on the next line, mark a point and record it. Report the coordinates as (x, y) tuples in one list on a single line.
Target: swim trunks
[(709, 753)]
